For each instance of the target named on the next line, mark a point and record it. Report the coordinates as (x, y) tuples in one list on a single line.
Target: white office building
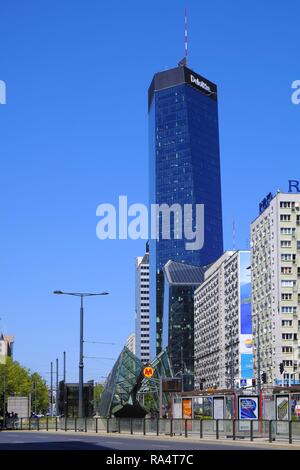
[(131, 343), (142, 307), (222, 324), (275, 251)]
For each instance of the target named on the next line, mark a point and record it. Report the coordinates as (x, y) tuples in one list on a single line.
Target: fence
[(264, 430)]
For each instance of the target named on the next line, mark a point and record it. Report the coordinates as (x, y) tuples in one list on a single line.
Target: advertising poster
[(187, 408), (248, 407), (198, 407), (246, 371), (282, 407)]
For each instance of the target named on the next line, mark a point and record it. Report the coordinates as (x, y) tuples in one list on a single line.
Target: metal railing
[(234, 429)]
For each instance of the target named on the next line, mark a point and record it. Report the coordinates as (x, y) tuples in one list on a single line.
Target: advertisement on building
[(246, 371)]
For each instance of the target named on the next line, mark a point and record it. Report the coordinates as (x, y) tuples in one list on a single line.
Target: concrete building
[(142, 307), (223, 330), (130, 343), (275, 250), (6, 347)]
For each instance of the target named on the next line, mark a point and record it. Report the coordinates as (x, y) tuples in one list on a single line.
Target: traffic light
[(264, 378), (281, 367), (253, 382)]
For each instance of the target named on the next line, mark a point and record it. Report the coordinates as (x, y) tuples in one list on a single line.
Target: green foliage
[(98, 389), (149, 402), (20, 381)]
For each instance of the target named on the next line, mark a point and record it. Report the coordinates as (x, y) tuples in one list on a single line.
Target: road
[(22, 440)]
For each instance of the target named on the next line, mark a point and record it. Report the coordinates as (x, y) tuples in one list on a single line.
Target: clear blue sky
[(73, 134)]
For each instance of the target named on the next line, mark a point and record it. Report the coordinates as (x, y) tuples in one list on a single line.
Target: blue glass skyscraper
[(184, 169)]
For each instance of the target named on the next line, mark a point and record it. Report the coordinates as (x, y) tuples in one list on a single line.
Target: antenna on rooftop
[(183, 61), (185, 36)]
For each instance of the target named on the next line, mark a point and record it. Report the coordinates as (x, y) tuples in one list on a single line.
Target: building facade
[(275, 251), (184, 169), (180, 282), (130, 343), (6, 347), (223, 326), (142, 307)]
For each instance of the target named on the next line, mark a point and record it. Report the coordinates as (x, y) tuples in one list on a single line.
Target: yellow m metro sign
[(148, 372)]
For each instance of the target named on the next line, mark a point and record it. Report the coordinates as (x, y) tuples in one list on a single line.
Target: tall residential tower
[(275, 266), (142, 307)]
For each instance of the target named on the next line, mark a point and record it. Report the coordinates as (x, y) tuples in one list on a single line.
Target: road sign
[(148, 372), (243, 382)]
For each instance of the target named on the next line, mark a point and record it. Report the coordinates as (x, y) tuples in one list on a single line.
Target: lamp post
[(81, 295)]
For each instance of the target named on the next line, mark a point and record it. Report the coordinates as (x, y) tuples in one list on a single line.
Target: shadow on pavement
[(69, 445)]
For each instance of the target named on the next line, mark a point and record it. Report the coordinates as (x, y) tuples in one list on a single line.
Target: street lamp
[(81, 295)]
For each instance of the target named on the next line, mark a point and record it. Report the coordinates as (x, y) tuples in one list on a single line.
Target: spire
[(185, 37), (183, 62)]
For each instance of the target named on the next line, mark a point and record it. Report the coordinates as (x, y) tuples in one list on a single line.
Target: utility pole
[(56, 394), (65, 388), (51, 390), (64, 366), (35, 407), (4, 400)]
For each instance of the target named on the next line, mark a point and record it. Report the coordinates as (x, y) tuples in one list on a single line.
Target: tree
[(20, 381), (98, 389)]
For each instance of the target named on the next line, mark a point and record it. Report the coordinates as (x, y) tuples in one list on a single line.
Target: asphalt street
[(22, 440)]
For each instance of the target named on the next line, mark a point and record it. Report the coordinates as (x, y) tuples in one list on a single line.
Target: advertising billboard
[(282, 407), (218, 407), (248, 407), (246, 369), (187, 408)]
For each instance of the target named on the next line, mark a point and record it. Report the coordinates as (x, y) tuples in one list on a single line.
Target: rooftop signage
[(201, 84), (265, 202)]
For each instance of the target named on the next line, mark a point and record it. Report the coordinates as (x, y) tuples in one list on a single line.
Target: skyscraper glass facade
[(184, 169), (180, 282)]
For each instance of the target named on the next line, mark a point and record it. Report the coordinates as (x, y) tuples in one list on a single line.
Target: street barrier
[(233, 429)]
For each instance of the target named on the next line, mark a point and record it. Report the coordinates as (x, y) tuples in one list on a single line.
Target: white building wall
[(217, 323), (275, 248)]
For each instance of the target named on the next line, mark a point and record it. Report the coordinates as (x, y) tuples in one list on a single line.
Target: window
[(288, 309), (285, 204), (286, 257), (285, 230), (287, 349), (286, 296), (285, 218), (286, 243), (286, 270), (285, 283), (287, 363), (287, 322), (287, 336)]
